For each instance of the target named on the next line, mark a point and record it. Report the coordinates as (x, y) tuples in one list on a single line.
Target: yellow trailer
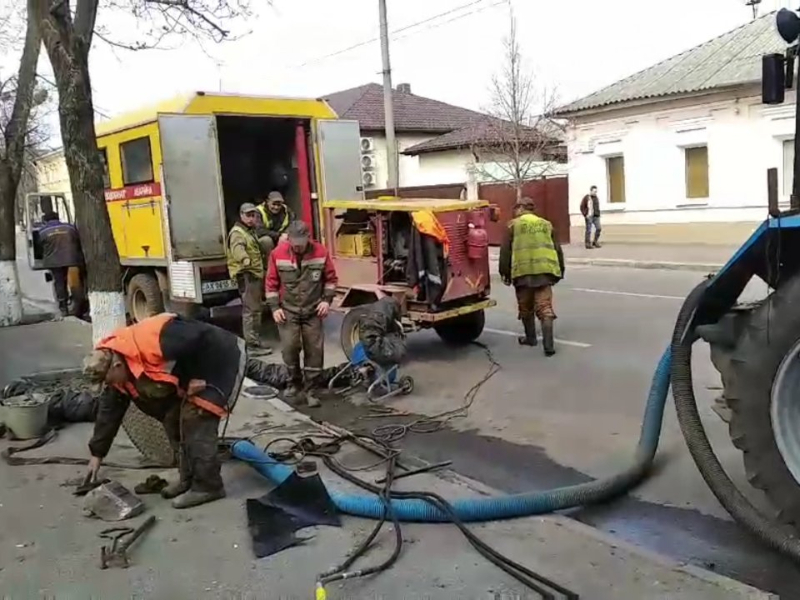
[(177, 172)]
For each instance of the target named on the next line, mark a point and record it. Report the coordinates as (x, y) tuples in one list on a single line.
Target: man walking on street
[(300, 286), (61, 250), (186, 374), (246, 266), (532, 260), (590, 209)]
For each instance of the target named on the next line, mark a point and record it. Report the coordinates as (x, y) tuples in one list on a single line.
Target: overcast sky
[(577, 46)]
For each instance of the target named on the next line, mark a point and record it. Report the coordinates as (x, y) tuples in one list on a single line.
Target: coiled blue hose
[(509, 506)]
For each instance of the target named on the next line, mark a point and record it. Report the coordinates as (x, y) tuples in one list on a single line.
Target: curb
[(646, 264), (627, 263)]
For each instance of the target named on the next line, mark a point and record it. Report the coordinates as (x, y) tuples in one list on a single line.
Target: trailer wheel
[(463, 329), (758, 377), (144, 297), (349, 333)]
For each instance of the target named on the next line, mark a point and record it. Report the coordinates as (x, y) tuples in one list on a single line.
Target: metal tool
[(117, 555)]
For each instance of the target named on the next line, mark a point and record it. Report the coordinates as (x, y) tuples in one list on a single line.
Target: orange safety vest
[(426, 222), (140, 346)]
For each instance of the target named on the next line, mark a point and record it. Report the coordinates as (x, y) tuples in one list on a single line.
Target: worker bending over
[(531, 258), (275, 219), (301, 284), (246, 266), (186, 374), (61, 250)]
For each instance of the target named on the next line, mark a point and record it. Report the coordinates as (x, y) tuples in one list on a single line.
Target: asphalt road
[(543, 423)]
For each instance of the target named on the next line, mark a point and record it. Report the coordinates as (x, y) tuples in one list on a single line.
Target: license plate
[(225, 285)]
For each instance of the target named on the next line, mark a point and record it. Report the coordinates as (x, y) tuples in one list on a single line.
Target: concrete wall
[(744, 139)]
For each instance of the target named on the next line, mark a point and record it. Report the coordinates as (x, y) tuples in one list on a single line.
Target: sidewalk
[(48, 548), (643, 256)]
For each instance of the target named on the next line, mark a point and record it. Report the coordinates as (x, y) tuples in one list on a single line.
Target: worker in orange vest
[(186, 374)]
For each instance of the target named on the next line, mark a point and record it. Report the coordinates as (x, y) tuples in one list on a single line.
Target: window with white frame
[(788, 166), (697, 187)]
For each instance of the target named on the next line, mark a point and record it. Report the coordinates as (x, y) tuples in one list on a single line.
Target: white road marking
[(633, 294), (517, 334)]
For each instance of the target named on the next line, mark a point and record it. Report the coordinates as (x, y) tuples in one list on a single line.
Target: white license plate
[(225, 285)]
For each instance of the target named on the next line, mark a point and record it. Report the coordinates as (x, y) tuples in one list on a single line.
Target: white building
[(680, 151)]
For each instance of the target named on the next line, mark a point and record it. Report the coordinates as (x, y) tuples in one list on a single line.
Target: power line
[(400, 30)]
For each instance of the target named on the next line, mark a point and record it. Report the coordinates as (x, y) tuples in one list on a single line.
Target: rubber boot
[(194, 498), (529, 339), (176, 488), (548, 337), (294, 391), (311, 384)]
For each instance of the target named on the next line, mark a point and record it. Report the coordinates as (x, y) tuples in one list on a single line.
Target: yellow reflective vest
[(532, 250), (242, 244)]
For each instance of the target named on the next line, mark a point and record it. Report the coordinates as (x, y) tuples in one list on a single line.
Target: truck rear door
[(339, 145), (36, 206), (192, 186)]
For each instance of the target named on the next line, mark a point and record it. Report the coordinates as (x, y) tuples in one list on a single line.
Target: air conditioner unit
[(368, 179), (367, 162), (367, 145)]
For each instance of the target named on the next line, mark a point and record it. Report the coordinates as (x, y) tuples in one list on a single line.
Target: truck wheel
[(349, 334), (144, 298), (149, 437), (461, 330), (759, 376)]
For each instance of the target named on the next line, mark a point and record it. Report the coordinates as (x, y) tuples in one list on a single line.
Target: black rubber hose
[(778, 536)]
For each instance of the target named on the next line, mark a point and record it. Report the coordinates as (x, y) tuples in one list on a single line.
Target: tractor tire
[(763, 337), (149, 437), (144, 298), (348, 336), (461, 330)]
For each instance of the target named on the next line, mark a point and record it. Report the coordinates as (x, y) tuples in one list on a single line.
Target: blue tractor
[(756, 347)]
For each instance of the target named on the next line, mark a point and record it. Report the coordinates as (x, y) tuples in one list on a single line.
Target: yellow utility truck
[(177, 172)]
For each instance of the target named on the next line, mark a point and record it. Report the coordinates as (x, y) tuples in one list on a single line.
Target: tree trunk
[(10, 295), (69, 58)]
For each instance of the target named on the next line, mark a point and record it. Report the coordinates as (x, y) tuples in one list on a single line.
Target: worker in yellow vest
[(532, 260), (246, 266), (275, 219)]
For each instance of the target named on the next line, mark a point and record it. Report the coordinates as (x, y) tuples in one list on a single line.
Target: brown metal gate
[(551, 196)]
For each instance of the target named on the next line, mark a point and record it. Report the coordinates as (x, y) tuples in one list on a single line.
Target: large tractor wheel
[(144, 298), (761, 377), (463, 329)]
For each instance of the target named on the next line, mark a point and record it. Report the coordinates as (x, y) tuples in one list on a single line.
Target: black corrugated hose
[(780, 537)]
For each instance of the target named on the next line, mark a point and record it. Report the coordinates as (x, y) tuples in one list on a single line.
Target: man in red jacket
[(300, 286)]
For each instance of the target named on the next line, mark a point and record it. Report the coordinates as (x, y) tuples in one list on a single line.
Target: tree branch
[(85, 19)]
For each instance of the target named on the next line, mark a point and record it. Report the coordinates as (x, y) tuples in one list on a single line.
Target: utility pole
[(388, 108)]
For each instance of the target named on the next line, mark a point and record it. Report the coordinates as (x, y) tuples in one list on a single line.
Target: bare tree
[(68, 33), (19, 99), (518, 141)]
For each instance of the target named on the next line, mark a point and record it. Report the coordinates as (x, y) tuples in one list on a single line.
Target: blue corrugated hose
[(502, 507)]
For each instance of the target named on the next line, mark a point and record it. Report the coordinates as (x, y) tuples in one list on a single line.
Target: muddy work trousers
[(192, 433), (535, 301), (251, 289), (303, 335), (60, 286)]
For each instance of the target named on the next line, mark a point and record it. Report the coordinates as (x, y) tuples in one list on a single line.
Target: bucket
[(26, 416)]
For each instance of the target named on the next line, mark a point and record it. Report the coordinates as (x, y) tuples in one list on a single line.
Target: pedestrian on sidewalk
[(186, 374), (246, 266), (531, 259), (590, 209), (61, 251), (300, 286)]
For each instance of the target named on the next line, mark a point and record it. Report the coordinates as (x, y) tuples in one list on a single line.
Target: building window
[(788, 166), (615, 167), (137, 163), (104, 159), (697, 172)]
